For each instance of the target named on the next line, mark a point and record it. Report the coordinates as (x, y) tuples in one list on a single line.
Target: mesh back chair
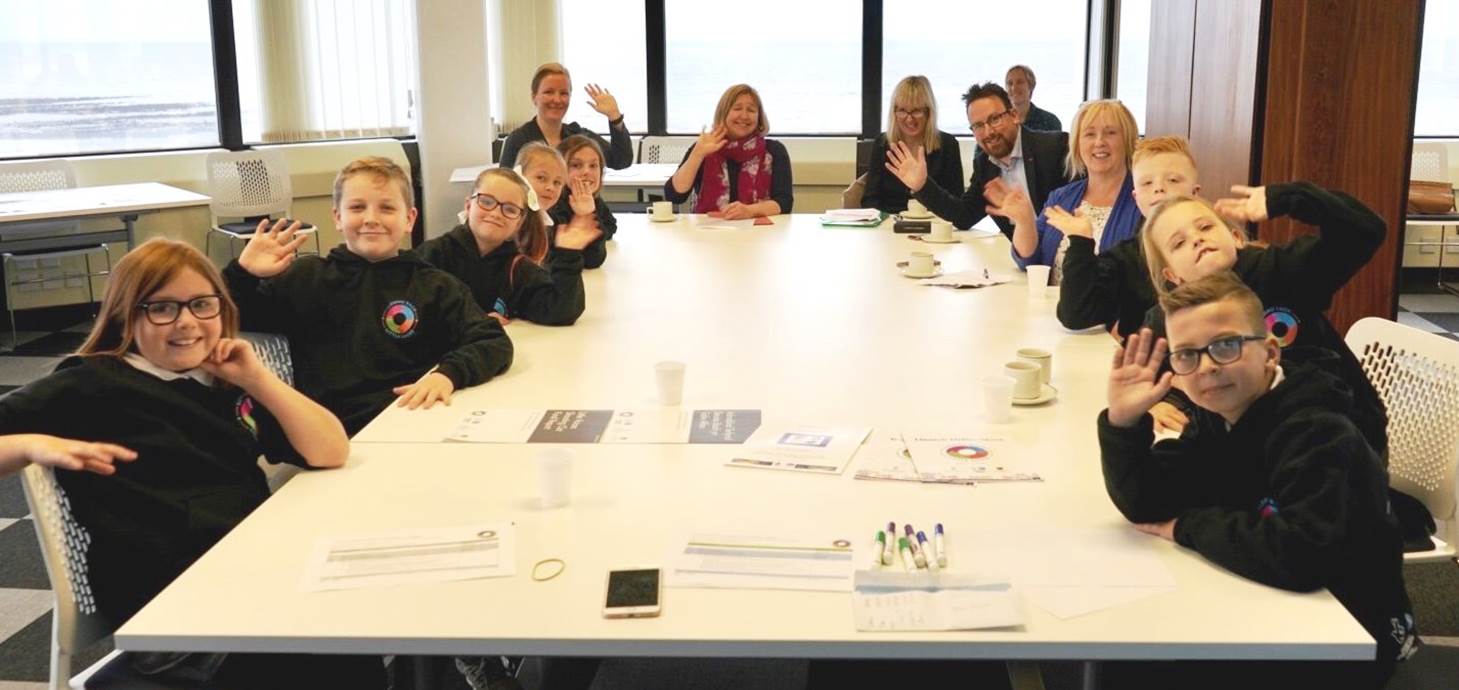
[(39, 176), (248, 186), (1417, 377), (665, 150), (1430, 162)]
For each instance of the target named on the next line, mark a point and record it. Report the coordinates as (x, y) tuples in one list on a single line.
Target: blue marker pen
[(917, 555), (941, 547), (924, 545)]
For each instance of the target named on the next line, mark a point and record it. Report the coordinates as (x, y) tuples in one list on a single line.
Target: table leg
[(1091, 676), (130, 220), (426, 672), (1025, 675)]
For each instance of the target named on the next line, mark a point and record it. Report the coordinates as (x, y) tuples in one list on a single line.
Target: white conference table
[(812, 325), (125, 201), (636, 176)]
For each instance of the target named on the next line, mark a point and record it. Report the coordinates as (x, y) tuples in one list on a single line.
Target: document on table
[(821, 562), (886, 457), (395, 557), (1073, 571), (969, 279), (661, 425), (963, 458), (816, 449), (891, 601)]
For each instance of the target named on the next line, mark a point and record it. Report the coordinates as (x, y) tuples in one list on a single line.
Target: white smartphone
[(633, 593)]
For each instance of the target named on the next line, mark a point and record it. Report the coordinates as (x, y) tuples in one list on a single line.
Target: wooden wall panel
[(1168, 85), (1340, 78), (1224, 71)]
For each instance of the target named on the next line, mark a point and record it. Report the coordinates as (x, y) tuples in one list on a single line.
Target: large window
[(1133, 76), (603, 44), (89, 76), (803, 57), (1438, 74), (959, 44)]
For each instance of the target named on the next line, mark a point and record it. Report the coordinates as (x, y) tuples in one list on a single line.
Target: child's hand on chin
[(234, 361)]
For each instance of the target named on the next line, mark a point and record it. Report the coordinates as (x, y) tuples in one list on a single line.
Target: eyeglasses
[(165, 311), (992, 121), (1222, 351), (913, 112), (487, 202)]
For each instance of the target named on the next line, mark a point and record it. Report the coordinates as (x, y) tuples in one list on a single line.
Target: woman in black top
[(551, 95), (162, 374), (912, 119), (734, 169)]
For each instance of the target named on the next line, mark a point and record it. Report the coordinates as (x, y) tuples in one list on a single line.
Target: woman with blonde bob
[(912, 122), (734, 169), (1098, 208), (163, 374)]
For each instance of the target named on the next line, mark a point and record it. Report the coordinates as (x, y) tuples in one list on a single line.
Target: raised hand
[(432, 388), (1015, 204), (709, 141), (234, 361), (603, 101), (271, 249), (1169, 418), (1071, 224), (581, 198), (578, 233), (908, 164), (1248, 207), (1135, 381), (66, 454)]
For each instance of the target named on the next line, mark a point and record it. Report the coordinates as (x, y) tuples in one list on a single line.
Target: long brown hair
[(142, 272), (531, 220), (577, 142)]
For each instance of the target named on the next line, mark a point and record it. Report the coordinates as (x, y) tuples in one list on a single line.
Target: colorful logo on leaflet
[(244, 412), (400, 319), (1283, 325), (966, 452)]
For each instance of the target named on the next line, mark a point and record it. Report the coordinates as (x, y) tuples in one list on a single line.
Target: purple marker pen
[(917, 556)]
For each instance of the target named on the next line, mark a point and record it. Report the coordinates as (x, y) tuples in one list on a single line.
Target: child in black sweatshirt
[(1286, 492), (483, 254), (161, 374), (585, 166), (368, 323)]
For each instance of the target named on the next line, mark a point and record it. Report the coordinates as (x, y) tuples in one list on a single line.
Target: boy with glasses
[(368, 323), (1287, 492)]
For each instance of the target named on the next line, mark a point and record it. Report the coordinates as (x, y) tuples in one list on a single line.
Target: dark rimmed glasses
[(992, 121), (487, 202), (165, 311), (1222, 351)]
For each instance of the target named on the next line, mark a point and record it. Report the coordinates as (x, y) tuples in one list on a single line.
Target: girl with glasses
[(912, 121), (163, 373), (506, 282)]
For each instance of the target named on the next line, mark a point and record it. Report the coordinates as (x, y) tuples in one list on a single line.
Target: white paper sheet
[(969, 279), (668, 425), (813, 561), (962, 458), (1074, 571), (496, 426), (888, 602), (815, 449), (439, 554), (886, 457)]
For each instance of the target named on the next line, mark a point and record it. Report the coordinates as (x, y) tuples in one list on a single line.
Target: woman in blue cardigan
[(1099, 205)]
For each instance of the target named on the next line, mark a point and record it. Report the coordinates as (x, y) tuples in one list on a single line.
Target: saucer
[(907, 216), (951, 240), (936, 271), (903, 264), (656, 219), (1046, 394)]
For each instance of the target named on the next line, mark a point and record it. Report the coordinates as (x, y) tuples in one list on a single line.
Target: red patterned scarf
[(754, 180)]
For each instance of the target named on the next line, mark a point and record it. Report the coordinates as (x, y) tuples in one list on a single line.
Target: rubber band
[(539, 577)]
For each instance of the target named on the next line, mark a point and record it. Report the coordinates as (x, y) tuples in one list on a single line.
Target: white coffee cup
[(661, 210), (554, 477), (998, 399), (1025, 379), (1038, 281), (915, 208), (670, 378), (941, 230), (920, 263), (1041, 358)]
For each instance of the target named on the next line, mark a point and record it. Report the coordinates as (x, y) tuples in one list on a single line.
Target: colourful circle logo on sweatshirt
[(244, 412), (966, 452), (400, 319), (1283, 325)]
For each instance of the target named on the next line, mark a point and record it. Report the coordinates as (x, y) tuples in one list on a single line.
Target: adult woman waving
[(551, 95), (912, 122), (734, 169)]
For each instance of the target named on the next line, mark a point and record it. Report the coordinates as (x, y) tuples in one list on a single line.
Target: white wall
[(453, 127)]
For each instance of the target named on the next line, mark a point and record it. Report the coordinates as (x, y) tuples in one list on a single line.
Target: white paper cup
[(920, 263), (915, 208), (554, 477), (941, 230), (1025, 379), (1038, 281), (1041, 358), (661, 210), (670, 378), (997, 399)]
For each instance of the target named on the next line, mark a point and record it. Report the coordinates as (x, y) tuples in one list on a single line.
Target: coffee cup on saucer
[(661, 211), (941, 231), (915, 209), (1025, 377), (920, 264)]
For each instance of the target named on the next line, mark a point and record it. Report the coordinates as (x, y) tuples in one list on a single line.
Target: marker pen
[(878, 546), (924, 545), (941, 547), (889, 553), (906, 551), (917, 555)]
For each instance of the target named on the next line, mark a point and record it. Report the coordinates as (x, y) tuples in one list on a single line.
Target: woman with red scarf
[(734, 170)]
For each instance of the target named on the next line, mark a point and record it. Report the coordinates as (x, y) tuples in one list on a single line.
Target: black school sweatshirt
[(507, 282), (597, 251)]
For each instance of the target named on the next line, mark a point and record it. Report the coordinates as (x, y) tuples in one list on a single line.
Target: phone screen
[(633, 588)]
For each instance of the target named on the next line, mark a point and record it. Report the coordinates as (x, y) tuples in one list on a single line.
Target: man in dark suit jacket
[(1021, 157)]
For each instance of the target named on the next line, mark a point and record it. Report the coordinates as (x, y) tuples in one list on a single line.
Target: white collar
[(144, 365), (1277, 378)]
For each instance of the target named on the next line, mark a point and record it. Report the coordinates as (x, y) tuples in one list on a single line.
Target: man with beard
[(1023, 158)]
